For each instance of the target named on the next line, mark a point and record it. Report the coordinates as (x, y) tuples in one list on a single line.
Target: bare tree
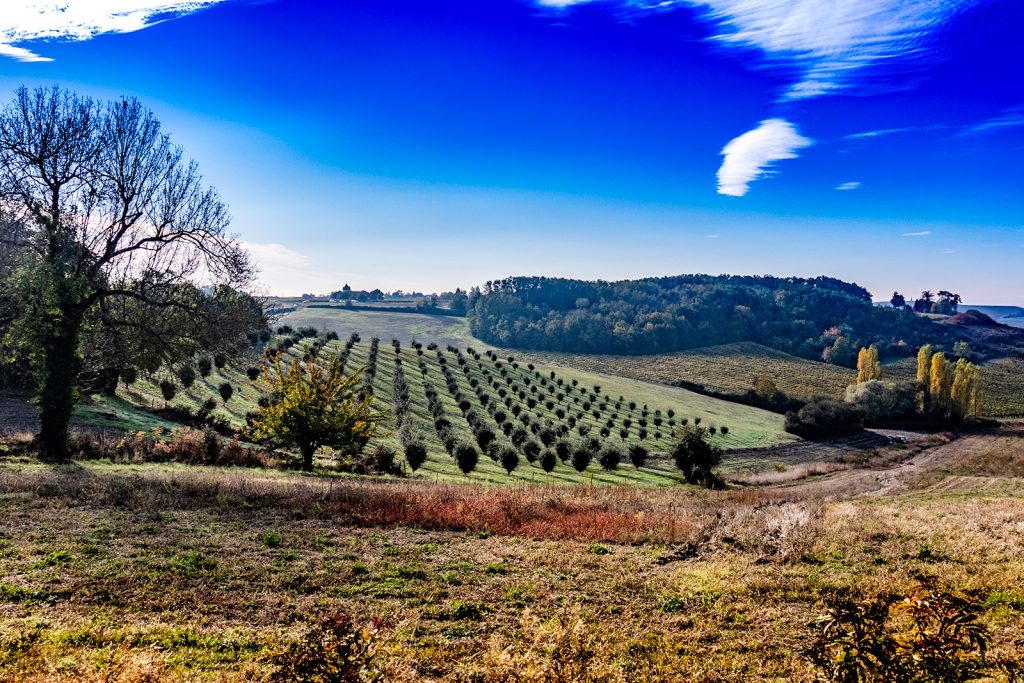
[(120, 231)]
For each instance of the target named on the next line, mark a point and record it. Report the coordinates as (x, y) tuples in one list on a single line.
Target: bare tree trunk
[(307, 458), (61, 365)]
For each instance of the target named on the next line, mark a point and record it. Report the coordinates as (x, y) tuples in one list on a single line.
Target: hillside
[(1006, 315), (811, 318), (726, 368), (548, 395)]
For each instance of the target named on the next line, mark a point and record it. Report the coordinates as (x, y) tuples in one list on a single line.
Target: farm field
[(494, 388), (727, 368), (405, 327), (167, 572)]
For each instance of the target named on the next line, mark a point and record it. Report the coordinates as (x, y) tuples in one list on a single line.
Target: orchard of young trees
[(473, 405)]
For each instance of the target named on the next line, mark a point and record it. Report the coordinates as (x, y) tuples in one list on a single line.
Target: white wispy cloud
[(753, 154), (831, 40), (25, 21), (852, 185), (922, 233), (1008, 118), (827, 41)]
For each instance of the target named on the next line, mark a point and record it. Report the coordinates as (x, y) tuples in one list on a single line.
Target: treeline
[(820, 318), (944, 392)]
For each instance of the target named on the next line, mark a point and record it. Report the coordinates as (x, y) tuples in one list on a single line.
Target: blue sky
[(432, 144)]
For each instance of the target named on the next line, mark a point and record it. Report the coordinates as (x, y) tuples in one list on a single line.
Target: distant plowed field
[(729, 368)]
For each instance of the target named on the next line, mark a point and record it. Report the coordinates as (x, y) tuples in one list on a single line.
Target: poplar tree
[(868, 365), (940, 383), (924, 363), (966, 388)]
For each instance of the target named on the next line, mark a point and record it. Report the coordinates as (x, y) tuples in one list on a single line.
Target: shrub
[(187, 376), (610, 457), (484, 437), (252, 373), (220, 360), (205, 367), (519, 436), (824, 417), (334, 651), (532, 450), (508, 458), (563, 450), (927, 636), (415, 454), (638, 456), (129, 375), (226, 391), (466, 457), (696, 458), (883, 402), (581, 458), (207, 408), (548, 460), (168, 389)]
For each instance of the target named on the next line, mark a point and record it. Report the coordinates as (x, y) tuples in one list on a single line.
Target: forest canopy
[(821, 318)]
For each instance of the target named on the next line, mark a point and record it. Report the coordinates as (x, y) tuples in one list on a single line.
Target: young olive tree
[(120, 235), (311, 408)]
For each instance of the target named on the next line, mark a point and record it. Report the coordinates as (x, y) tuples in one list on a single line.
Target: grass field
[(405, 327), (748, 427), (727, 368), (168, 573)]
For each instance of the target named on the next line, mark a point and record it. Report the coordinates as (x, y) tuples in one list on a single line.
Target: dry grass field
[(728, 368), (167, 573)]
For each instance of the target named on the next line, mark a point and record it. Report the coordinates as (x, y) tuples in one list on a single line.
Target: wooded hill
[(821, 318)]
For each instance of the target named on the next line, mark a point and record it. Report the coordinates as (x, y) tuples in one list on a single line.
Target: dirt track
[(898, 477)]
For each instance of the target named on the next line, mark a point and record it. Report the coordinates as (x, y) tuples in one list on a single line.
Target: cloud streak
[(831, 40), (922, 233), (827, 42), (852, 185), (33, 20), (752, 155)]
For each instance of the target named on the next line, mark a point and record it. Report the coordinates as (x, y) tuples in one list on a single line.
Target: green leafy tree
[(312, 408), (187, 376), (638, 456), (581, 458), (548, 460), (610, 457), (168, 390), (509, 459), (696, 457), (466, 457), (226, 391), (415, 454)]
